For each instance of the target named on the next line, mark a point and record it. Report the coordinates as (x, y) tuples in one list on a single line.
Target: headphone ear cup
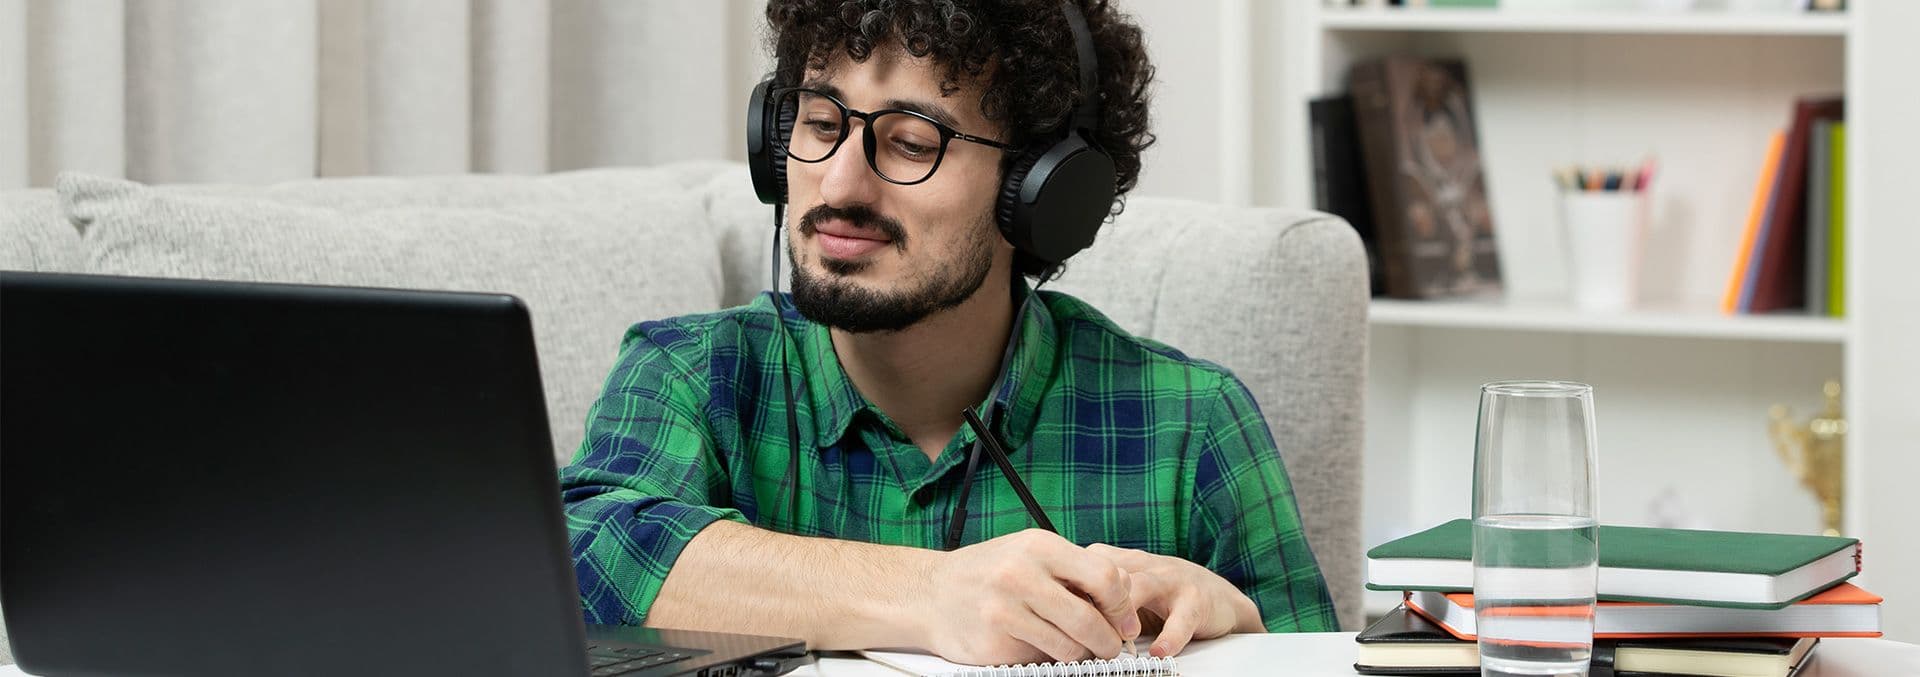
[(765, 160), (783, 118), (1007, 212), (1054, 200), (778, 163)]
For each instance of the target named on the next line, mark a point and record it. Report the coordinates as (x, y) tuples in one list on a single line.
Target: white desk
[(1328, 654), (1331, 653)]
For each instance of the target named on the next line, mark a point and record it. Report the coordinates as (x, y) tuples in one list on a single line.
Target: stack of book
[(1672, 602)]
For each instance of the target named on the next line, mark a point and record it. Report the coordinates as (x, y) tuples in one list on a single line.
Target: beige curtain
[(267, 90)]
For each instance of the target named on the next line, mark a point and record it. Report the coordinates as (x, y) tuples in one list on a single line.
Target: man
[(1174, 512)]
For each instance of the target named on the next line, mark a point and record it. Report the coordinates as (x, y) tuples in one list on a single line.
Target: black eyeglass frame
[(947, 135)]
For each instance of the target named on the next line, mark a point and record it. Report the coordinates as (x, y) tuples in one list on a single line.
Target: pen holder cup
[(1603, 233)]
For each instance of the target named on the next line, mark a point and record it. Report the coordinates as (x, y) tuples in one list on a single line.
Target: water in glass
[(1533, 593)]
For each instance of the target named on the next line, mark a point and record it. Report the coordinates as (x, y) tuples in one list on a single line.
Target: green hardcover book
[(1837, 222), (1819, 232), (1640, 564)]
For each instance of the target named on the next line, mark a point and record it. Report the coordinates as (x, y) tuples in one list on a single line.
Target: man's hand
[(1026, 597), (1190, 601)]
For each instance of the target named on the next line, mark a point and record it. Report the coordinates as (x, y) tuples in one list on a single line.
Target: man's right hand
[(1027, 597)]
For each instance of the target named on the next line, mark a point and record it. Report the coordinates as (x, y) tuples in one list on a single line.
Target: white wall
[(13, 93), (1184, 42), (1220, 108)]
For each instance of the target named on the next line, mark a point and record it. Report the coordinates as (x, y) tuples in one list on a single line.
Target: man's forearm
[(834, 594)]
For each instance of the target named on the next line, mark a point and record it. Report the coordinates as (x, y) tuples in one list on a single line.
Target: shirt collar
[(835, 402)]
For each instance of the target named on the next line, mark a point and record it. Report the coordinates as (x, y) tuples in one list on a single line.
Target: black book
[(1404, 643), (1340, 176)]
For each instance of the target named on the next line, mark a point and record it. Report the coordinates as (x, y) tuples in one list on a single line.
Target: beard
[(832, 299)]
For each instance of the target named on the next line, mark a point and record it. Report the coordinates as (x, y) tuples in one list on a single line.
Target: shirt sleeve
[(644, 481), (1245, 523)]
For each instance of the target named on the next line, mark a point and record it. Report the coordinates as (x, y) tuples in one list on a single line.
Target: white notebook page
[(933, 666)]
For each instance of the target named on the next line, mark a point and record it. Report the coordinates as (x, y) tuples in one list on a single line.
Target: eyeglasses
[(909, 145)]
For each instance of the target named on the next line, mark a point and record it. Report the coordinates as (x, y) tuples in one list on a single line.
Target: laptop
[(213, 478)]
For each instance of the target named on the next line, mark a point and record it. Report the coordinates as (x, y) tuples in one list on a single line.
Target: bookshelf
[(1592, 22), (1682, 391), (1656, 322)]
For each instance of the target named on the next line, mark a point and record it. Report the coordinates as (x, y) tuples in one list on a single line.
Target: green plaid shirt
[(1123, 441)]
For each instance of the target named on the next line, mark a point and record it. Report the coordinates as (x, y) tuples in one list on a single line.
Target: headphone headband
[(1086, 115)]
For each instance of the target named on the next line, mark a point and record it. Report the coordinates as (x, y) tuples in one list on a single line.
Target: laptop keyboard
[(618, 659)]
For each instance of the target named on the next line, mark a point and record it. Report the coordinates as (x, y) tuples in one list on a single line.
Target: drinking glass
[(1535, 538)]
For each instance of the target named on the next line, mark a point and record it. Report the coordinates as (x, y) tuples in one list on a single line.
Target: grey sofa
[(1277, 296)]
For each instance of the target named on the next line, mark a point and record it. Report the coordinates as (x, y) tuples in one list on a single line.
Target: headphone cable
[(984, 435), (786, 376)]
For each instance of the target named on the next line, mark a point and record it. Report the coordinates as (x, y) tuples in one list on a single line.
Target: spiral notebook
[(932, 666)]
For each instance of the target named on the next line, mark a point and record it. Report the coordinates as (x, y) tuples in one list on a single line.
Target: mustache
[(860, 216)]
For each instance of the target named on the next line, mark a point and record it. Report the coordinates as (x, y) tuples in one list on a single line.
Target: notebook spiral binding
[(1125, 666)]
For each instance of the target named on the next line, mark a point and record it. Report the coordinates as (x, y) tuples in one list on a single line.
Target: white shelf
[(1561, 318), (1574, 21)]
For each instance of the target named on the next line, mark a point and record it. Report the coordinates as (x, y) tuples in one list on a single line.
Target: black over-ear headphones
[(1056, 194)]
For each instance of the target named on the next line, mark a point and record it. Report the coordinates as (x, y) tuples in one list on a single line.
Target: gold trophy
[(1816, 451)]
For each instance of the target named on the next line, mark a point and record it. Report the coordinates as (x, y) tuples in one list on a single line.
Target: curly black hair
[(1035, 81)]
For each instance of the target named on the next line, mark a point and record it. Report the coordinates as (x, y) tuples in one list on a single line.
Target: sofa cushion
[(590, 252), (34, 235), (744, 227)]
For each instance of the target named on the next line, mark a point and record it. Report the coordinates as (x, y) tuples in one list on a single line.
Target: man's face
[(869, 255)]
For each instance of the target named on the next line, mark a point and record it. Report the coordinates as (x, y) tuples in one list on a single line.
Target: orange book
[(1843, 610), (1730, 303)]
